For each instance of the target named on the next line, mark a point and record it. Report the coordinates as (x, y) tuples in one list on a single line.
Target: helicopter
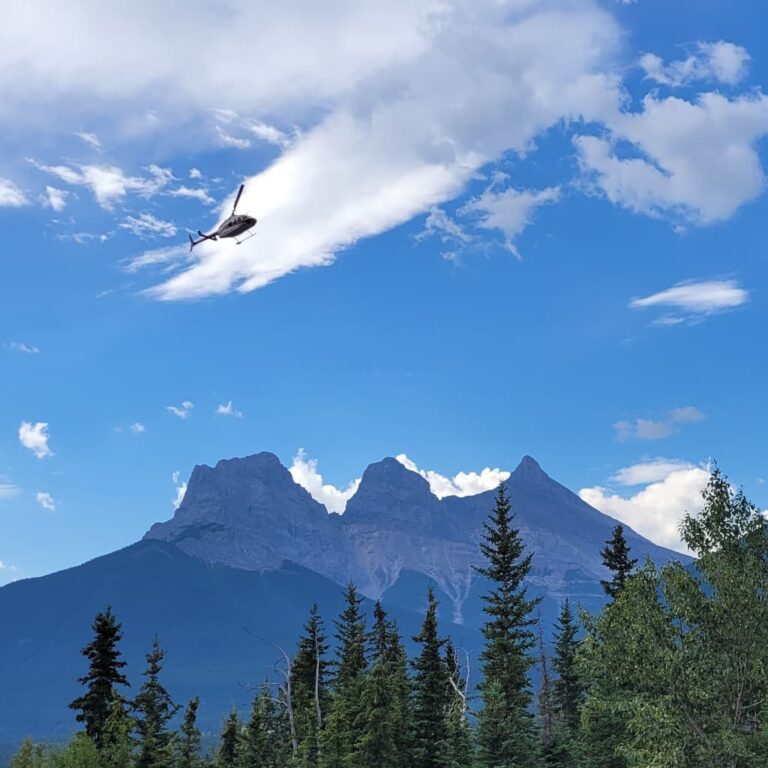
[(233, 226)]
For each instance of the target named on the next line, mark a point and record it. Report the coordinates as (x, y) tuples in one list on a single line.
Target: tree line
[(672, 673)]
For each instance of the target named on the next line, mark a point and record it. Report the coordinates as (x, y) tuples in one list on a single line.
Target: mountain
[(248, 513), (246, 554)]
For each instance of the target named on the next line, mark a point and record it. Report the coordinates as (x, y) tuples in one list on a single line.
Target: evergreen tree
[(187, 743), (616, 559), (343, 726), (309, 672), (431, 694), (547, 727), (567, 691), (80, 752), (505, 725), (155, 708), (459, 740), (103, 677), (254, 748), (117, 744), (229, 742)]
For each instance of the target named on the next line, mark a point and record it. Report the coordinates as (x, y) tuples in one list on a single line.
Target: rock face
[(249, 513)]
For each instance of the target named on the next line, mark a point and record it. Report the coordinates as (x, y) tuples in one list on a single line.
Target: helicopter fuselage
[(235, 225)]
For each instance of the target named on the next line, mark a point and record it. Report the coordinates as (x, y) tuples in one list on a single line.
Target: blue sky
[(485, 230)]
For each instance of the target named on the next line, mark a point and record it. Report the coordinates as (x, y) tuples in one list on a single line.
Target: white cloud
[(8, 490), (227, 409), (649, 471), (181, 489), (181, 411), (108, 183), (148, 225), (657, 429), (461, 484), (304, 472), (720, 62), (35, 437), (137, 428), (655, 511), (694, 300), (91, 139), (19, 346), (10, 195), (260, 130), (510, 210), (169, 255), (45, 500), (198, 193), (55, 199), (697, 161), (195, 173)]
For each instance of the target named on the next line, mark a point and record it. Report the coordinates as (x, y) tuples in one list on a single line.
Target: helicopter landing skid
[(245, 239)]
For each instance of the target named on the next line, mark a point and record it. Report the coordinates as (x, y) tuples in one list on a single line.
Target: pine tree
[(505, 725), (309, 672), (567, 690), (546, 706), (459, 752), (344, 722), (616, 559), (229, 742), (187, 744), (103, 675), (117, 744), (431, 693), (155, 708), (254, 748)]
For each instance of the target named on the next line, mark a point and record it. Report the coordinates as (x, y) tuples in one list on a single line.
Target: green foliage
[(616, 559), (103, 676), (459, 748), (431, 694), (229, 742), (187, 742), (154, 708), (505, 725), (566, 689), (117, 744)]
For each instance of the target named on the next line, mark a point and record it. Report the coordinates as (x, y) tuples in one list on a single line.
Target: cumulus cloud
[(693, 160), (657, 429), (461, 484), (20, 346), (195, 173), (305, 473), (655, 511), (692, 301), (227, 409), (137, 428), (45, 500), (721, 62), (147, 225), (10, 195), (182, 411), (35, 437), (108, 183), (196, 193), (181, 489)]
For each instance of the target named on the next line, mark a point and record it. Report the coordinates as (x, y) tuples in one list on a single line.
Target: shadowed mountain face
[(248, 513)]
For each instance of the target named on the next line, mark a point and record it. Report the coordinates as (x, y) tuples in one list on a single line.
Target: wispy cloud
[(182, 411), (168, 256), (10, 195), (137, 428), (181, 489), (55, 199), (657, 429), (20, 346), (196, 193), (692, 300), (147, 225), (91, 139), (227, 409), (45, 500), (721, 62), (8, 490), (35, 437)]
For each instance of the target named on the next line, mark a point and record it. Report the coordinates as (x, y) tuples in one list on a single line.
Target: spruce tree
[(350, 638), (616, 559), (431, 693), (103, 677), (187, 743), (567, 690), (505, 725), (229, 742), (255, 740), (154, 708), (116, 749)]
